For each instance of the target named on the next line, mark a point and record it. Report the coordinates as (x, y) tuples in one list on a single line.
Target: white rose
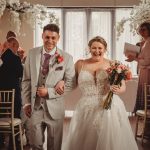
[(118, 70)]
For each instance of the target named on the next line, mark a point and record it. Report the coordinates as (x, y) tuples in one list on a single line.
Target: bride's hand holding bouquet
[(116, 74)]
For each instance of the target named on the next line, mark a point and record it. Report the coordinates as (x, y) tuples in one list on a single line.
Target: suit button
[(41, 102)]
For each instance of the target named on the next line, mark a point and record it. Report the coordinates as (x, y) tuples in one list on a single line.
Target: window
[(75, 33), (78, 26)]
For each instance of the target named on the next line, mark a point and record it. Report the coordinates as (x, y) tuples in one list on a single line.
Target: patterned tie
[(45, 66)]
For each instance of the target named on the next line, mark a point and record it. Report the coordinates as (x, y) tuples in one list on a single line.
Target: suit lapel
[(52, 68), (38, 61)]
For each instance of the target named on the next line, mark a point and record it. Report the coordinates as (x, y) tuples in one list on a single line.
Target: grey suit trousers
[(39, 121)]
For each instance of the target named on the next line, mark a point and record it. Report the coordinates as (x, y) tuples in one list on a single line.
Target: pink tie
[(45, 66)]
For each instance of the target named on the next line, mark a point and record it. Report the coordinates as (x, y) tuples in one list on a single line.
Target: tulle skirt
[(93, 128)]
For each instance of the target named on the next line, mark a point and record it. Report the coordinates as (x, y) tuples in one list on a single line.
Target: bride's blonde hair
[(98, 39)]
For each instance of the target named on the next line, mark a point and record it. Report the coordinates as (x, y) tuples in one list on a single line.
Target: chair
[(144, 114), (9, 124)]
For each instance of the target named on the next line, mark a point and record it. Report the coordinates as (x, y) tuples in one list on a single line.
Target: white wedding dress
[(92, 127)]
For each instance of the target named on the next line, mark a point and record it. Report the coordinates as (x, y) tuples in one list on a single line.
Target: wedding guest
[(42, 92), (140, 44), (143, 60), (8, 35), (20, 51), (93, 127), (10, 73), (21, 54)]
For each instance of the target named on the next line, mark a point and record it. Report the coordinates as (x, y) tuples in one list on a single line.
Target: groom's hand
[(59, 88), (42, 91), (28, 110)]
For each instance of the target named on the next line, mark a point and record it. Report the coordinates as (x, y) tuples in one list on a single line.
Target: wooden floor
[(146, 145), (66, 126)]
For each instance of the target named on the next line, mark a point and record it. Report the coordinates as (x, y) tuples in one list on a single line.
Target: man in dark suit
[(11, 72)]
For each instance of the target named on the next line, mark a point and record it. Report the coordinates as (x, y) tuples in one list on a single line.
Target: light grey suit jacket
[(55, 102)]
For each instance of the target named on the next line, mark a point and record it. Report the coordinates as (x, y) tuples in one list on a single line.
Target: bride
[(92, 127)]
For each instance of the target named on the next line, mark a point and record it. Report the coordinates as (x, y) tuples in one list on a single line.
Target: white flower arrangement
[(138, 15), (2, 7), (27, 13)]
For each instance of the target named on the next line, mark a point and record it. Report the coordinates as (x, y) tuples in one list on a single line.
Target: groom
[(45, 70)]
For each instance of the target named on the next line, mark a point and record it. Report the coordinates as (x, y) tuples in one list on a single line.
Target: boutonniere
[(58, 58)]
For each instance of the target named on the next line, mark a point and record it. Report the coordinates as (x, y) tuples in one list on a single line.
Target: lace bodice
[(91, 85)]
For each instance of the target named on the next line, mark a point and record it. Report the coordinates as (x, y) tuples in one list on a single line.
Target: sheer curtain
[(75, 32), (126, 36)]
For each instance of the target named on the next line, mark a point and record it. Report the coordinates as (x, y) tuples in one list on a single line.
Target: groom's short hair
[(51, 27)]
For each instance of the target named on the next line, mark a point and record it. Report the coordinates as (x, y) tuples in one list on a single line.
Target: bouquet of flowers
[(117, 72)]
